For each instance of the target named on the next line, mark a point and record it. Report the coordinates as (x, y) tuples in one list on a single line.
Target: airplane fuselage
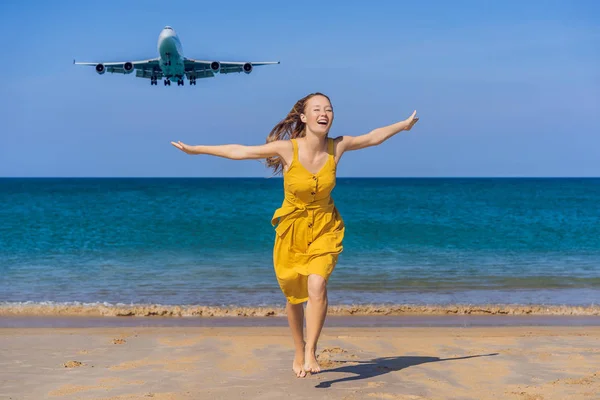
[(170, 53), (172, 65)]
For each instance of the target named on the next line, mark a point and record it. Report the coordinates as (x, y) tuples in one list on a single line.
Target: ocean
[(208, 242)]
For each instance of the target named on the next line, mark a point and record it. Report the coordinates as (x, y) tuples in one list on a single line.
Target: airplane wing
[(208, 69), (144, 69)]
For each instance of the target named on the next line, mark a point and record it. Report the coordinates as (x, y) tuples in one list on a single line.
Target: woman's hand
[(183, 147), (411, 121)]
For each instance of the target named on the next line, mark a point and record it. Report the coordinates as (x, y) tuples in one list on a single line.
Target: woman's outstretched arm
[(236, 151), (376, 136)]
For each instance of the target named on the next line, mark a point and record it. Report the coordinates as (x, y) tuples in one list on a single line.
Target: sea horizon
[(281, 177)]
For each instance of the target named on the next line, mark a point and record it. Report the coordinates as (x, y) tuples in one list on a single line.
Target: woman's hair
[(291, 127)]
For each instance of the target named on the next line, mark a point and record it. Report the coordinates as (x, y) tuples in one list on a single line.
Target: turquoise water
[(209, 241)]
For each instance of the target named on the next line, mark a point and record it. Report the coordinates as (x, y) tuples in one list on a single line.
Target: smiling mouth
[(322, 122)]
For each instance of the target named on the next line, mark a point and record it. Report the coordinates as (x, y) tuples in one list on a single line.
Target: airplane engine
[(100, 69), (247, 68), (128, 67), (215, 66)]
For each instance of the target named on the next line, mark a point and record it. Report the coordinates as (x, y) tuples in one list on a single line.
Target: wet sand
[(157, 310), (363, 321), (254, 362)]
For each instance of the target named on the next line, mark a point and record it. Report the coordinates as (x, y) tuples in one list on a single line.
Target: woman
[(309, 229)]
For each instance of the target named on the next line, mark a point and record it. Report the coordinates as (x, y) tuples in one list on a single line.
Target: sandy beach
[(254, 362)]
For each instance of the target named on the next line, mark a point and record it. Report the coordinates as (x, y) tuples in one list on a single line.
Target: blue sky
[(503, 88)]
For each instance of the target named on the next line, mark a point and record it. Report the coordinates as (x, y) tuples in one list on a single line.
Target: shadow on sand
[(384, 365)]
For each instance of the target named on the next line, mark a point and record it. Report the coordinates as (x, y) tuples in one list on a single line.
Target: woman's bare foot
[(297, 366), (310, 361)]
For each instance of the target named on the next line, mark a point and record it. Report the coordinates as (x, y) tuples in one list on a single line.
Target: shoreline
[(332, 321), (179, 311)]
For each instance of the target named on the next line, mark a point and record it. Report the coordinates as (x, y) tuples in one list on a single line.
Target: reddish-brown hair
[(291, 127)]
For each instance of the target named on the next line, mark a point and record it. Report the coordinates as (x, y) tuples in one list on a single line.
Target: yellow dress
[(309, 230)]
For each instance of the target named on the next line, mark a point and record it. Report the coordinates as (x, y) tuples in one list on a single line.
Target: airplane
[(172, 65)]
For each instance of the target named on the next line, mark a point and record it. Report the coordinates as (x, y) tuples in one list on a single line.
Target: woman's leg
[(316, 310), (295, 314)]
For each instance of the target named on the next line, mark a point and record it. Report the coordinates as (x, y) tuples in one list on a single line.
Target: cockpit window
[(168, 27)]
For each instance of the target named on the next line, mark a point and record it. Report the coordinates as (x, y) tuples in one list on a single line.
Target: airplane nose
[(166, 44)]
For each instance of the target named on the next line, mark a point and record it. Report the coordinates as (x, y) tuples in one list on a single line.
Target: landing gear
[(153, 81), (167, 82), (193, 81), (180, 82)]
